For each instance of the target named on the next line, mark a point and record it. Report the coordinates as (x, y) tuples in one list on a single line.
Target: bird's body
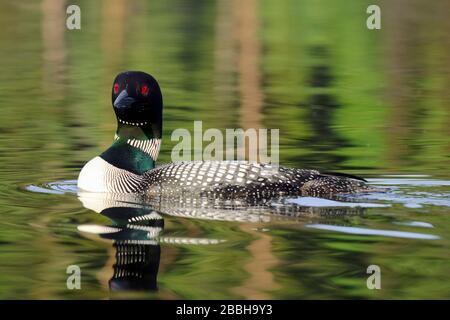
[(241, 179), (129, 165)]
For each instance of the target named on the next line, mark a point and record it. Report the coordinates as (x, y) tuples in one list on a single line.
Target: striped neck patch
[(151, 147)]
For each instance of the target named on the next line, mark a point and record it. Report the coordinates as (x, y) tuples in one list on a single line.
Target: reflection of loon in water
[(137, 253), (135, 233), (137, 225), (234, 210)]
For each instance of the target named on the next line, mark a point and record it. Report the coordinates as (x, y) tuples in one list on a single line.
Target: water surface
[(372, 103)]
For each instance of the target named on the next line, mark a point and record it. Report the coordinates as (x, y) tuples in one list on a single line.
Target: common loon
[(128, 165)]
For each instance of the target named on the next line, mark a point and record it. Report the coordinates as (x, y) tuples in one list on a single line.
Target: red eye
[(144, 90), (116, 88)]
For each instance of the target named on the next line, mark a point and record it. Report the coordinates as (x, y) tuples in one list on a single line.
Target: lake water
[(345, 98)]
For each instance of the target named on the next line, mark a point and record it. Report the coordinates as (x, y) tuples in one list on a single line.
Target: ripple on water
[(374, 232), (420, 224), (319, 202), (57, 187), (412, 192), (410, 182), (412, 199)]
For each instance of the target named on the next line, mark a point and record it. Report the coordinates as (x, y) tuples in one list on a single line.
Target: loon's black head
[(137, 102)]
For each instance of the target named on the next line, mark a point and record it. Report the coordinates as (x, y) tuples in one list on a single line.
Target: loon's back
[(241, 179)]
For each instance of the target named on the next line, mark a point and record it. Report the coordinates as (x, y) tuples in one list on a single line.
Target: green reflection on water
[(343, 97)]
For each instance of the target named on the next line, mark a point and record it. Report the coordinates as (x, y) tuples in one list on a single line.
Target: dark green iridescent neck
[(125, 156)]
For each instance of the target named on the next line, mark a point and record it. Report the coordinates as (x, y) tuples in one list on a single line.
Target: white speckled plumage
[(240, 179)]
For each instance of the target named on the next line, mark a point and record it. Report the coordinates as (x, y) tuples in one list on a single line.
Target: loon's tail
[(330, 183)]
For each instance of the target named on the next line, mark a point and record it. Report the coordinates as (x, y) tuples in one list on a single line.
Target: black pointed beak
[(123, 100)]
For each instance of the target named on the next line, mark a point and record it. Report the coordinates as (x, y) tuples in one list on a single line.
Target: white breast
[(99, 176)]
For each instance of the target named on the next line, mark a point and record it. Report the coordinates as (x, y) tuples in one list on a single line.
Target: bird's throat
[(124, 155)]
